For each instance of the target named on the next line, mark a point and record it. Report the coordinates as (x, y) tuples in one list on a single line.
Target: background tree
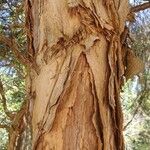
[(12, 87)]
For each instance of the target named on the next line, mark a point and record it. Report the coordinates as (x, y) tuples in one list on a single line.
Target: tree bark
[(77, 65)]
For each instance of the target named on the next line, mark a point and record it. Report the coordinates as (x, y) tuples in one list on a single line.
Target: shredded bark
[(81, 55)]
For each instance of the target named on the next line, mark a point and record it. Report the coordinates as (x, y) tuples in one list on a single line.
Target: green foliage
[(14, 90), (3, 139), (137, 122), (136, 92)]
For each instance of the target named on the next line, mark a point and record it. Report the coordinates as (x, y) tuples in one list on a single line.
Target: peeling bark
[(78, 49)]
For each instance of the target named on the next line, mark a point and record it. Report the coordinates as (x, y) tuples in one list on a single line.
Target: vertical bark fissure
[(97, 120), (73, 108), (114, 85)]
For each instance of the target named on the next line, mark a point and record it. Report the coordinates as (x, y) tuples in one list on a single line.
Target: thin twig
[(4, 126), (136, 110)]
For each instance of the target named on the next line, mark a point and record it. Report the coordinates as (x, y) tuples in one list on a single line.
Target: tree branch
[(18, 126), (140, 7), (12, 44), (15, 49), (4, 126), (2, 93)]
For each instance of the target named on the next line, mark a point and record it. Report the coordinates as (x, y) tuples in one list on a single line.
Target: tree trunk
[(76, 48)]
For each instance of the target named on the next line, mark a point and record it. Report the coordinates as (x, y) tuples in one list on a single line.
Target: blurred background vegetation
[(135, 93)]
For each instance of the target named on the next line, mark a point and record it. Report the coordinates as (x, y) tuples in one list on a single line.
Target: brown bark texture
[(77, 55)]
